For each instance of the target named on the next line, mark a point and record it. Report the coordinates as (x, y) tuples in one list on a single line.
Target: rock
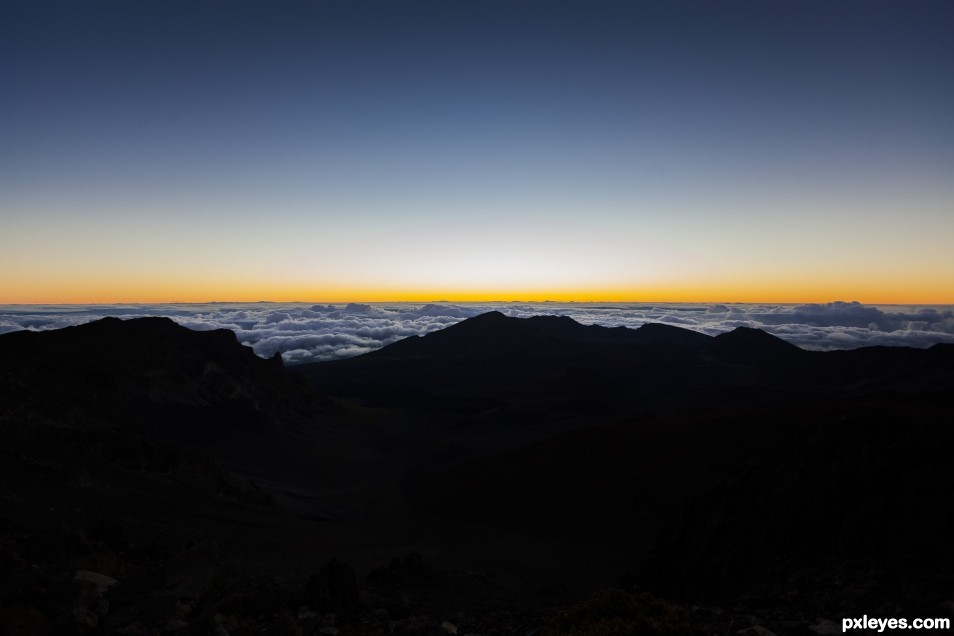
[(151, 609), (229, 623), (183, 610), (101, 581), (401, 608), (134, 629), (307, 619), (26, 621), (413, 626), (370, 599), (11, 561), (82, 479), (109, 532), (412, 569), (83, 620), (449, 627), (825, 627), (89, 595), (334, 588), (288, 626), (383, 576), (190, 574), (414, 565)]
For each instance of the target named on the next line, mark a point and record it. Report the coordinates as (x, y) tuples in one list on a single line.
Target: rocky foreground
[(57, 583)]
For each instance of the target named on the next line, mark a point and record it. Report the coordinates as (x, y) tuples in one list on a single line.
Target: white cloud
[(308, 333)]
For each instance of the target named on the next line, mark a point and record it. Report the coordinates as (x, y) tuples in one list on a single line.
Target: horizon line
[(471, 302)]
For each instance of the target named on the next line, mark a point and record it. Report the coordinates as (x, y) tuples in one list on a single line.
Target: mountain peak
[(494, 334), (750, 345), (655, 332), (150, 359), (488, 316)]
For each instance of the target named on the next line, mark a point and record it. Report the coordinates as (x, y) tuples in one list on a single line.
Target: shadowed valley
[(157, 478)]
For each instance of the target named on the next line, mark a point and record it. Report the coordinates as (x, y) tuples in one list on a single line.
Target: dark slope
[(153, 420), (152, 381), (203, 478), (659, 334), (150, 397), (557, 365), (756, 452), (112, 368), (736, 470), (752, 346), (840, 507), (547, 363), (493, 333)]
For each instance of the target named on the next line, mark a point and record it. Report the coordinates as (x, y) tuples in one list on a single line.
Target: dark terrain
[(488, 478)]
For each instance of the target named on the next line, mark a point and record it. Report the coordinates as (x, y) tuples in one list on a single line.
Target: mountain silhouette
[(735, 471), (754, 346), (493, 333), (552, 362), (150, 373)]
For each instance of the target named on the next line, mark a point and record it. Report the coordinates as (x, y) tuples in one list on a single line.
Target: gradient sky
[(475, 150)]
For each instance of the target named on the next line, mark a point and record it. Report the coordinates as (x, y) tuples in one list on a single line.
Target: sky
[(357, 151)]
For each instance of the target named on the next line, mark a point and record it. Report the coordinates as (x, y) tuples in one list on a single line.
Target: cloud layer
[(308, 333)]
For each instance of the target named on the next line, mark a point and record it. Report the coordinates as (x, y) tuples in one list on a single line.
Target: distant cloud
[(308, 333)]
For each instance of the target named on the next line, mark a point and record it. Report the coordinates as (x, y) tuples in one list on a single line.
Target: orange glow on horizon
[(899, 293)]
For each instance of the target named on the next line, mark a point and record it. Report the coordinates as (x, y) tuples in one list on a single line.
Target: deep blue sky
[(478, 147)]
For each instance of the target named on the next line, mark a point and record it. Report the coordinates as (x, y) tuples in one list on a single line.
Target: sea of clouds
[(308, 333)]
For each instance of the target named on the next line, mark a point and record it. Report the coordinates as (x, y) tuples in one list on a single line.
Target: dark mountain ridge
[(551, 361), (494, 333), (710, 469), (144, 359)]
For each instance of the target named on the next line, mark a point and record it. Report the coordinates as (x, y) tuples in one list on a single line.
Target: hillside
[(736, 472)]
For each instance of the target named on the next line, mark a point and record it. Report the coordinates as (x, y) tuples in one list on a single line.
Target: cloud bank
[(309, 333)]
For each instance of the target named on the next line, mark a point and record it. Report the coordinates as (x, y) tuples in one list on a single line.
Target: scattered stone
[(414, 565), (191, 574), (150, 609), (288, 626), (23, 620), (83, 620), (305, 613), (825, 627), (82, 479), (109, 532), (101, 581), (334, 588), (183, 609), (230, 623), (134, 629)]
